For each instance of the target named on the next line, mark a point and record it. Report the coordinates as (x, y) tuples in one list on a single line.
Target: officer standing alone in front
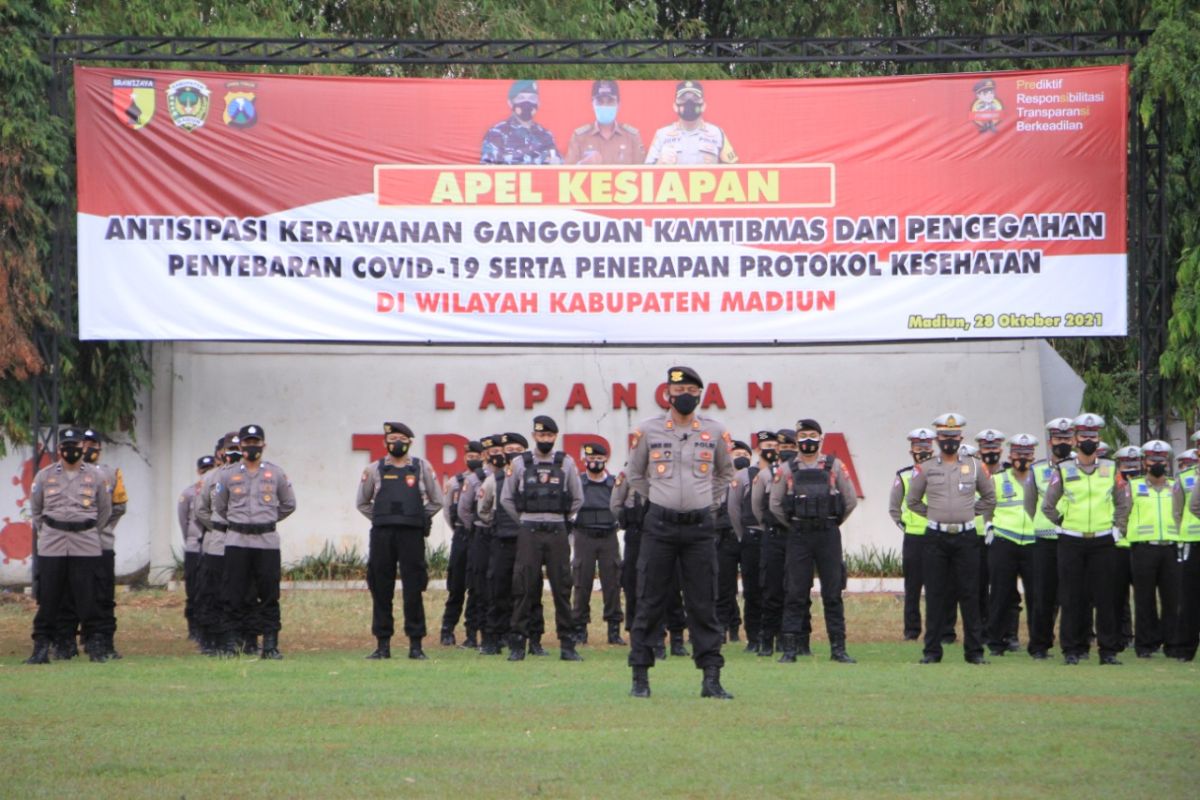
[(681, 462)]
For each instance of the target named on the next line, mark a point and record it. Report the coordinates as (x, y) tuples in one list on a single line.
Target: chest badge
[(266, 498), (662, 468), (410, 480), (705, 436), (964, 469)]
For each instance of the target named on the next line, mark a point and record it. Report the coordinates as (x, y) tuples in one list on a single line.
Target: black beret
[(514, 438), (491, 441), (807, 424), (69, 435), (765, 436), (205, 462), (740, 445), (684, 375), (544, 424), (595, 449), (397, 427), (785, 436), (252, 432), (475, 447)]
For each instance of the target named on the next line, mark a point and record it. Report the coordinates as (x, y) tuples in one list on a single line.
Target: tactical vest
[(545, 486), (914, 523), (1088, 497), (503, 526), (813, 495), (748, 519), (1152, 517), (595, 514), (1189, 531), (398, 499), (1042, 526), (456, 491), (1010, 519)]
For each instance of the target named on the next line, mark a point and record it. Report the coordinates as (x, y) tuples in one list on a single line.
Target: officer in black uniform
[(480, 538), (773, 559), (460, 544), (729, 550), (596, 547), (749, 532)]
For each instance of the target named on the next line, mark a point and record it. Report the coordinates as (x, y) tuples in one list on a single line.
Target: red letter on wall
[(444, 465), (834, 444), (534, 394), (579, 397), (491, 397), (624, 395), (439, 398), (713, 396), (758, 395)]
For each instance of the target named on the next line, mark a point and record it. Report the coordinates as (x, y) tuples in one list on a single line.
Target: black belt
[(596, 532), (254, 530), (694, 517), (220, 526), (545, 527), (70, 527)]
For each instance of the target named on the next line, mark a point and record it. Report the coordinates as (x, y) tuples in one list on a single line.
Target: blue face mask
[(605, 115)]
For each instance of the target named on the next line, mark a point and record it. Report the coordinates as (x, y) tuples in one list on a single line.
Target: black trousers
[(106, 600), (676, 619), (74, 579), (1088, 565), (819, 548), (456, 579), (772, 565), (191, 585), (1008, 561), (537, 549), (479, 591), (950, 567), (729, 558), (592, 552), (1156, 584), (751, 555), (211, 614), (1122, 592), (911, 555), (393, 545), (251, 590), (502, 558), (1189, 606), (1042, 595), (669, 549)]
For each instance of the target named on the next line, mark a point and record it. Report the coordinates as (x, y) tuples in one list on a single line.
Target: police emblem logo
[(240, 110), (410, 480), (133, 101), (662, 468), (704, 467), (188, 102), (266, 498), (543, 477), (676, 375)]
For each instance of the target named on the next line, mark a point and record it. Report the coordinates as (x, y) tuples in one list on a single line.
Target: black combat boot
[(660, 649), (228, 647), (787, 643), (766, 646), (110, 648), (208, 644), (837, 652), (535, 646), (96, 648), (516, 648), (751, 642), (488, 648), (711, 686), (447, 637), (250, 645), (270, 647), (383, 648), (568, 651), (581, 634), (614, 633), (641, 682), (65, 648), (414, 649), (802, 648), (469, 642), (193, 633), (41, 652), (677, 648), (733, 633)]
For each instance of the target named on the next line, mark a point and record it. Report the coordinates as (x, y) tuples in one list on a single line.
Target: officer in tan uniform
[(70, 504), (211, 611), (681, 462), (691, 139), (116, 484), (193, 535), (943, 490), (606, 141), (400, 496), (252, 497)]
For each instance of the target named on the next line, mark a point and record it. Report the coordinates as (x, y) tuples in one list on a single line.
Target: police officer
[(691, 139), (212, 613), (943, 490), (749, 532), (1152, 530), (1131, 464), (729, 546), (1187, 513), (596, 547), (70, 504), (606, 141), (543, 491), (1043, 608), (92, 450), (1009, 539), (480, 539), (1187, 460), (1092, 512), (811, 502), (501, 536), (400, 496), (518, 139), (681, 462), (773, 554), (990, 449), (912, 525), (193, 535), (253, 497), (457, 586)]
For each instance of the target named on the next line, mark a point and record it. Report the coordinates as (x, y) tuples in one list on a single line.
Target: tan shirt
[(760, 494), (368, 487), (468, 501), (71, 496), (253, 498), (214, 540), (784, 479), (622, 145), (189, 526), (945, 492), (684, 468)]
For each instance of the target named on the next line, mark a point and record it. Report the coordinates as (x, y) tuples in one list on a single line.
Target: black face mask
[(71, 453), (545, 448), (252, 452), (1158, 470), (1089, 447), (690, 110), (741, 462), (474, 464), (525, 111), (991, 459), (510, 457), (770, 456), (685, 403), (398, 449), (808, 447), (949, 446), (595, 467), (92, 456), (233, 456), (922, 455), (787, 455), (498, 460), (1021, 464), (1061, 450)]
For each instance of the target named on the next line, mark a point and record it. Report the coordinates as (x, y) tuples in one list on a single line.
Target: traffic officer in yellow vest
[(1009, 538), (681, 462), (1152, 530), (596, 547), (252, 497), (1186, 460), (944, 490), (749, 532), (1187, 501), (70, 504), (1092, 512), (920, 449), (400, 496)]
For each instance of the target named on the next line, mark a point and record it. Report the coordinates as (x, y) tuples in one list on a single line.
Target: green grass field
[(327, 723)]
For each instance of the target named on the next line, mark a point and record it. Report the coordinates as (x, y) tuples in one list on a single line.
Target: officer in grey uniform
[(943, 490), (252, 497), (400, 496), (596, 547), (70, 504), (729, 551), (681, 462), (116, 485), (750, 532), (773, 558), (212, 612), (457, 584), (543, 491), (478, 522), (193, 535)]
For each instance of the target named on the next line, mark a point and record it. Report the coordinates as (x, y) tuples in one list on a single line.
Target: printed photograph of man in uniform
[(690, 139), (518, 139), (604, 140)]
